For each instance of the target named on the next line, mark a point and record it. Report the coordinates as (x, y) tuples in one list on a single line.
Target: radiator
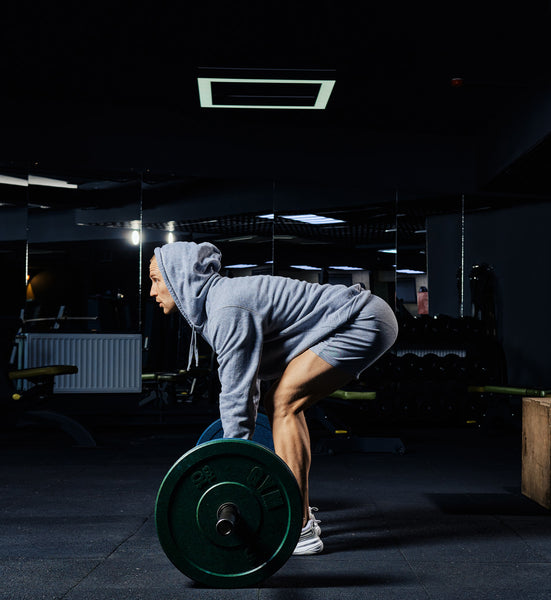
[(107, 363)]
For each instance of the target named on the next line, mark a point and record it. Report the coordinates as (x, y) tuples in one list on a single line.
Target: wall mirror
[(13, 238), (338, 235), (83, 244)]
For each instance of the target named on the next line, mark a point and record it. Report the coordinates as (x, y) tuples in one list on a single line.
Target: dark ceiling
[(113, 87)]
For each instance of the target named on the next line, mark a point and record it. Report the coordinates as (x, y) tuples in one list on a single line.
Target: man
[(311, 339)]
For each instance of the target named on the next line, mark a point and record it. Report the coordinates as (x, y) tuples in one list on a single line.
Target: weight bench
[(173, 387), (24, 406)]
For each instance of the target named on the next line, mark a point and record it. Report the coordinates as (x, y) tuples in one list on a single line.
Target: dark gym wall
[(516, 243)]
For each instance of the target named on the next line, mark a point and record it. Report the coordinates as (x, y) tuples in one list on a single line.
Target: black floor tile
[(34, 578), (485, 580), (444, 521)]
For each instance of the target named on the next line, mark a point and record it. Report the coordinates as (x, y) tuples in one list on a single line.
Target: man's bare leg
[(306, 380)]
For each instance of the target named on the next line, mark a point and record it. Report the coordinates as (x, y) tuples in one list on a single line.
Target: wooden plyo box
[(536, 450)]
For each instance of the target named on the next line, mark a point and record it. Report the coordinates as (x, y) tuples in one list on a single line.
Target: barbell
[(229, 512)]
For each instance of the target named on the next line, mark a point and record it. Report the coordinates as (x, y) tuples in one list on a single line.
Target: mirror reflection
[(76, 247), (328, 241), (83, 236), (412, 286), (13, 238)]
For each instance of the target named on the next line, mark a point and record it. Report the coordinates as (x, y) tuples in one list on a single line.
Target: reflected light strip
[(410, 272), (388, 251), (205, 92)]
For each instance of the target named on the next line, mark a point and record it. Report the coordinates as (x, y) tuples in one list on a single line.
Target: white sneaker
[(309, 541), (311, 511)]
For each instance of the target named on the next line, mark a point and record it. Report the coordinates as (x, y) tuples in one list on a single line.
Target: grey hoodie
[(256, 325)]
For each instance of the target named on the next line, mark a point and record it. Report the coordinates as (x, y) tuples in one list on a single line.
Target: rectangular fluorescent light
[(264, 90), (49, 182), (343, 268), (312, 219), (308, 218), (9, 180), (305, 267), (388, 251), (241, 266), (410, 272)]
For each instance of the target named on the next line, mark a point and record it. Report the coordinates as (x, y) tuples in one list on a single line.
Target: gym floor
[(444, 521)]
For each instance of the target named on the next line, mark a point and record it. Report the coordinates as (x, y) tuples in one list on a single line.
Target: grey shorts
[(359, 343)]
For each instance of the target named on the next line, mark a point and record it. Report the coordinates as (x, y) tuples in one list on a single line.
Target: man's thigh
[(306, 380)]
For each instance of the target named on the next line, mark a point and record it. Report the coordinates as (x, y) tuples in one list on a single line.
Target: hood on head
[(187, 269)]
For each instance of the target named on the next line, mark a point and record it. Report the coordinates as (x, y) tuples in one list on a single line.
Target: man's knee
[(284, 400)]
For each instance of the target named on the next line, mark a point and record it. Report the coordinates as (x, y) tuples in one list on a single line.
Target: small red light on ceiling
[(456, 82)]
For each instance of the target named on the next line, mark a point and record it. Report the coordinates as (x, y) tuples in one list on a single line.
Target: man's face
[(159, 291)]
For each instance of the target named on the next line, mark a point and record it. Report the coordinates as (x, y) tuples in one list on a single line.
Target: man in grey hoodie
[(311, 339)]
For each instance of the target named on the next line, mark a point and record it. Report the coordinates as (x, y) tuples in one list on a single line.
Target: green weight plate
[(269, 513)]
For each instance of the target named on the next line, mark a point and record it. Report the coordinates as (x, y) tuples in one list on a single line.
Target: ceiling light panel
[(345, 268), (49, 182), (305, 267), (9, 180), (283, 94), (241, 266)]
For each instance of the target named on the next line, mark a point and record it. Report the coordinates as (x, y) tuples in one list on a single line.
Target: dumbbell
[(229, 513)]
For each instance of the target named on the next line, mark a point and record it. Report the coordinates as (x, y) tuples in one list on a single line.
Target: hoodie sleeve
[(237, 337)]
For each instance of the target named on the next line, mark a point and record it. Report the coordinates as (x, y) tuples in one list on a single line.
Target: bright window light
[(324, 92), (305, 267)]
